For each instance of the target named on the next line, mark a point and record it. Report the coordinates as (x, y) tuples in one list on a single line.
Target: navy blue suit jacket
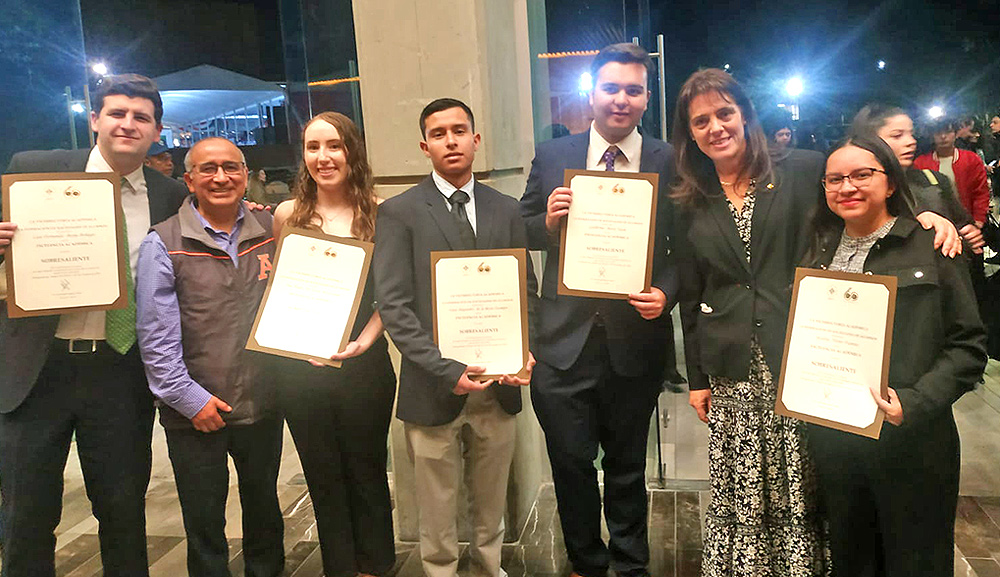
[(24, 342), (636, 346)]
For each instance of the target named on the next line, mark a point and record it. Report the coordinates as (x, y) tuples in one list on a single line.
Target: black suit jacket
[(408, 228), (636, 346), (724, 300), (24, 343)]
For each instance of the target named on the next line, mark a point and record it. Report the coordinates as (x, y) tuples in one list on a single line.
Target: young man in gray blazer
[(441, 404), (601, 361), (80, 374)]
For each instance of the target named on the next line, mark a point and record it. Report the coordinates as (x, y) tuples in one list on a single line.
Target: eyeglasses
[(211, 169), (860, 178)]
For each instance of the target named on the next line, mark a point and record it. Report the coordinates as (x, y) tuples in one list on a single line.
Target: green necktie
[(119, 325)]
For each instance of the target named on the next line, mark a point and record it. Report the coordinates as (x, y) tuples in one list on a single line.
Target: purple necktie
[(609, 158)]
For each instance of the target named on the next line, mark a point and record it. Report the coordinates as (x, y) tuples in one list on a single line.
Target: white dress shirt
[(446, 188), (135, 204), (630, 147)]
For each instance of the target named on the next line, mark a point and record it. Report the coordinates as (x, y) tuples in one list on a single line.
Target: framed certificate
[(837, 349), (606, 248), (480, 308), (312, 297), (68, 254)]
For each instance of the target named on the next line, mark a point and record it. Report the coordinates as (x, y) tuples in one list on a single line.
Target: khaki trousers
[(483, 435)]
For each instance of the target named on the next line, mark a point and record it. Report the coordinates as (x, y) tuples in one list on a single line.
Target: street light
[(794, 86), (100, 68), (881, 65), (935, 112), (726, 67), (586, 82), (78, 108)]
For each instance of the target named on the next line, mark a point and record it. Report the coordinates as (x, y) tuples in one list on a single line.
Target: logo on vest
[(265, 266)]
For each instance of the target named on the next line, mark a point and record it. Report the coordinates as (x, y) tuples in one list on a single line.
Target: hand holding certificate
[(68, 254), (837, 350), (481, 309), (607, 239), (313, 296)]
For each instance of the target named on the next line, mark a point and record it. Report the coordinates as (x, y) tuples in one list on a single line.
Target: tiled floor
[(675, 516)]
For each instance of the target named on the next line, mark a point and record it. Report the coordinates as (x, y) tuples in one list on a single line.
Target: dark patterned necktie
[(457, 201), (609, 158), (119, 324)]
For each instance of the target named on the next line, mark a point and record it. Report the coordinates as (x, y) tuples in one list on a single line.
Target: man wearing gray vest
[(201, 277)]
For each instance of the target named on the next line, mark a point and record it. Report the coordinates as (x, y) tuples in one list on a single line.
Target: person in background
[(159, 159)]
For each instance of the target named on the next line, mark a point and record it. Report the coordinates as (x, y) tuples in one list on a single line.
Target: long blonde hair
[(361, 182)]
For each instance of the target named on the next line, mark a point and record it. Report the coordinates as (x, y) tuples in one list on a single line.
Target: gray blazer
[(408, 228)]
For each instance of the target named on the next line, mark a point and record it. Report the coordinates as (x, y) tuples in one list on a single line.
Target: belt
[(79, 346)]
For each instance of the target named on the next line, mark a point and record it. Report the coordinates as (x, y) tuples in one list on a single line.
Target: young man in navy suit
[(448, 415), (601, 362)]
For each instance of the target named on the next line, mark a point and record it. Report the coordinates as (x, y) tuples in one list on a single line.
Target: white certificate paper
[(68, 252), (837, 349), (313, 296), (607, 239), (480, 308)]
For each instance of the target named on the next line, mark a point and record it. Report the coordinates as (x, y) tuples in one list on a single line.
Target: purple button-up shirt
[(158, 320)]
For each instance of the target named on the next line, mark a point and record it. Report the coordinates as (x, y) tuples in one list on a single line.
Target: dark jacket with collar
[(636, 346), (726, 301), (218, 303), (938, 340), (25, 342), (408, 228)]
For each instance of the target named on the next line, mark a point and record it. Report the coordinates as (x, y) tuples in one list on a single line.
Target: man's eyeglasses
[(211, 169), (860, 178)]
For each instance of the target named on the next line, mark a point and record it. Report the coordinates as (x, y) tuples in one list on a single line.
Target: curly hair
[(361, 182)]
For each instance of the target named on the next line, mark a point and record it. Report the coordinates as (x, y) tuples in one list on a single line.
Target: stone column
[(409, 53)]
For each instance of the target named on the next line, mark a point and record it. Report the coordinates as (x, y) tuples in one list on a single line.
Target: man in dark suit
[(447, 413), (600, 361), (81, 373)]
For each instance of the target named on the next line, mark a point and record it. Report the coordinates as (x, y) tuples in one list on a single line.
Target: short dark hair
[(942, 125), (131, 85), (444, 104), (624, 53), (870, 119)]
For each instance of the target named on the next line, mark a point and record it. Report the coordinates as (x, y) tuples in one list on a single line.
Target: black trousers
[(339, 419), (201, 468), (579, 409), (890, 503), (103, 398)]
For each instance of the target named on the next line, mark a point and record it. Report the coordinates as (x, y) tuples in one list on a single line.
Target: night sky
[(935, 51)]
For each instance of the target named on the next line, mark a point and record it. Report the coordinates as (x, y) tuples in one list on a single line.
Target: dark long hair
[(826, 226), (361, 182), (695, 170)]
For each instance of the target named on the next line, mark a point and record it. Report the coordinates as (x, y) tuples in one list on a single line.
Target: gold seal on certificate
[(481, 308), (606, 248), (68, 254), (312, 297), (837, 350)]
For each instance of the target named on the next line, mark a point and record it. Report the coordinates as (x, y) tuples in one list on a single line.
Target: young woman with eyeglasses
[(890, 503)]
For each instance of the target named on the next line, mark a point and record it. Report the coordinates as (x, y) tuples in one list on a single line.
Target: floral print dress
[(762, 521)]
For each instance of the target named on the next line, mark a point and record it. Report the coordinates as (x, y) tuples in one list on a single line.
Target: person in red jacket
[(968, 173), (965, 169)]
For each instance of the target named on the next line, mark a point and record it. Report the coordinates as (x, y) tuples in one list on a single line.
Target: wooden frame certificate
[(606, 248), (312, 297), (837, 350), (68, 254), (481, 308)]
